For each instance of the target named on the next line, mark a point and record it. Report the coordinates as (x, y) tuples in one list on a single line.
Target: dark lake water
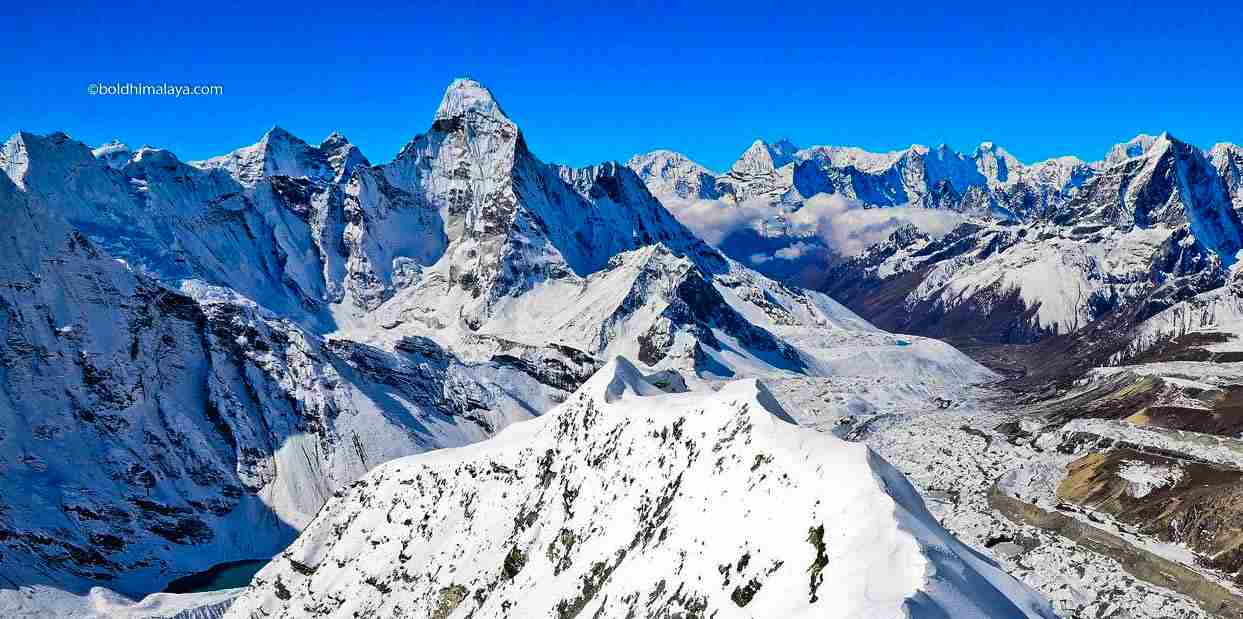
[(222, 576)]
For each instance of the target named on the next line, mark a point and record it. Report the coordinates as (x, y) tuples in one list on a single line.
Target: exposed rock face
[(1188, 503), (1228, 159), (552, 518)]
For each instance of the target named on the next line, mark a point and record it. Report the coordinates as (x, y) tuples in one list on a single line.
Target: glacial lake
[(222, 576)]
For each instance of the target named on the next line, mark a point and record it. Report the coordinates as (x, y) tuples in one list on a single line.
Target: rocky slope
[(515, 526)]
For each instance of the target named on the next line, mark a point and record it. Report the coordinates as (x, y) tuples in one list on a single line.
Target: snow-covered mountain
[(667, 173), (1051, 248), (636, 499), (1141, 235), (197, 355), (988, 181), (145, 434)]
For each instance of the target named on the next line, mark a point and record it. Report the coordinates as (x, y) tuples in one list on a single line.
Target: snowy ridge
[(987, 181), (833, 530), (668, 173)]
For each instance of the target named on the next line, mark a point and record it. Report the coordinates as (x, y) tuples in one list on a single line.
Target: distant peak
[(1135, 147), (989, 146), (277, 133), (114, 153), (1166, 136), (149, 158), (467, 95), (621, 378), (764, 157), (334, 140), (114, 146), (661, 154)]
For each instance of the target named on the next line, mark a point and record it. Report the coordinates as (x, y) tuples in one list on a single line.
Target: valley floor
[(948, 446)]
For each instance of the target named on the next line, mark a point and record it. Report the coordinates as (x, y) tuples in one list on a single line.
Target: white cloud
[(843, 224), (713, 220), (794, 251)]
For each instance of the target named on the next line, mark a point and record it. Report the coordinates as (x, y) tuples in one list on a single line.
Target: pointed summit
[(1135, 147), (671, 174), (334, 140), (114, 153), (342, 156), (762, 157), (277, 133), (277, 153), (995, 163), (467, 95)]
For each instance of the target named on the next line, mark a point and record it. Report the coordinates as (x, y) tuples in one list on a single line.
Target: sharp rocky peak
[(1135, 147), (114, 153), (335, 140), (278, 134), (762, 157), (277, 153), (26, 152), (662, 158), (465, 95)]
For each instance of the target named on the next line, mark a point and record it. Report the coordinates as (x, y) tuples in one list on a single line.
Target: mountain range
[(1040, 249), (198, 355), (469, 383)]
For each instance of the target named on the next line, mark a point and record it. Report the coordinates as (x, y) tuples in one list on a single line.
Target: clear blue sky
[(589, 83)]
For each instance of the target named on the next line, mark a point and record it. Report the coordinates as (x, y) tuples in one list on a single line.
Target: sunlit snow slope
[(628, 501)]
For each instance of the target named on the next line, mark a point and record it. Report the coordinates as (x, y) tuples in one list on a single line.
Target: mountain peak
[(762, 157), (278, 134), (467, 95), (277, 153), (1132, 148), (670, 173), (991, 147), (334, 139), (114, 153), (618, 379)]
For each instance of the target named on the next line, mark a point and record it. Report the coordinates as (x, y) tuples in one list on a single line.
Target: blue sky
[(588, 83)]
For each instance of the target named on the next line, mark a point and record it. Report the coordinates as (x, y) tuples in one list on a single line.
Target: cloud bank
[(843, 225)]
